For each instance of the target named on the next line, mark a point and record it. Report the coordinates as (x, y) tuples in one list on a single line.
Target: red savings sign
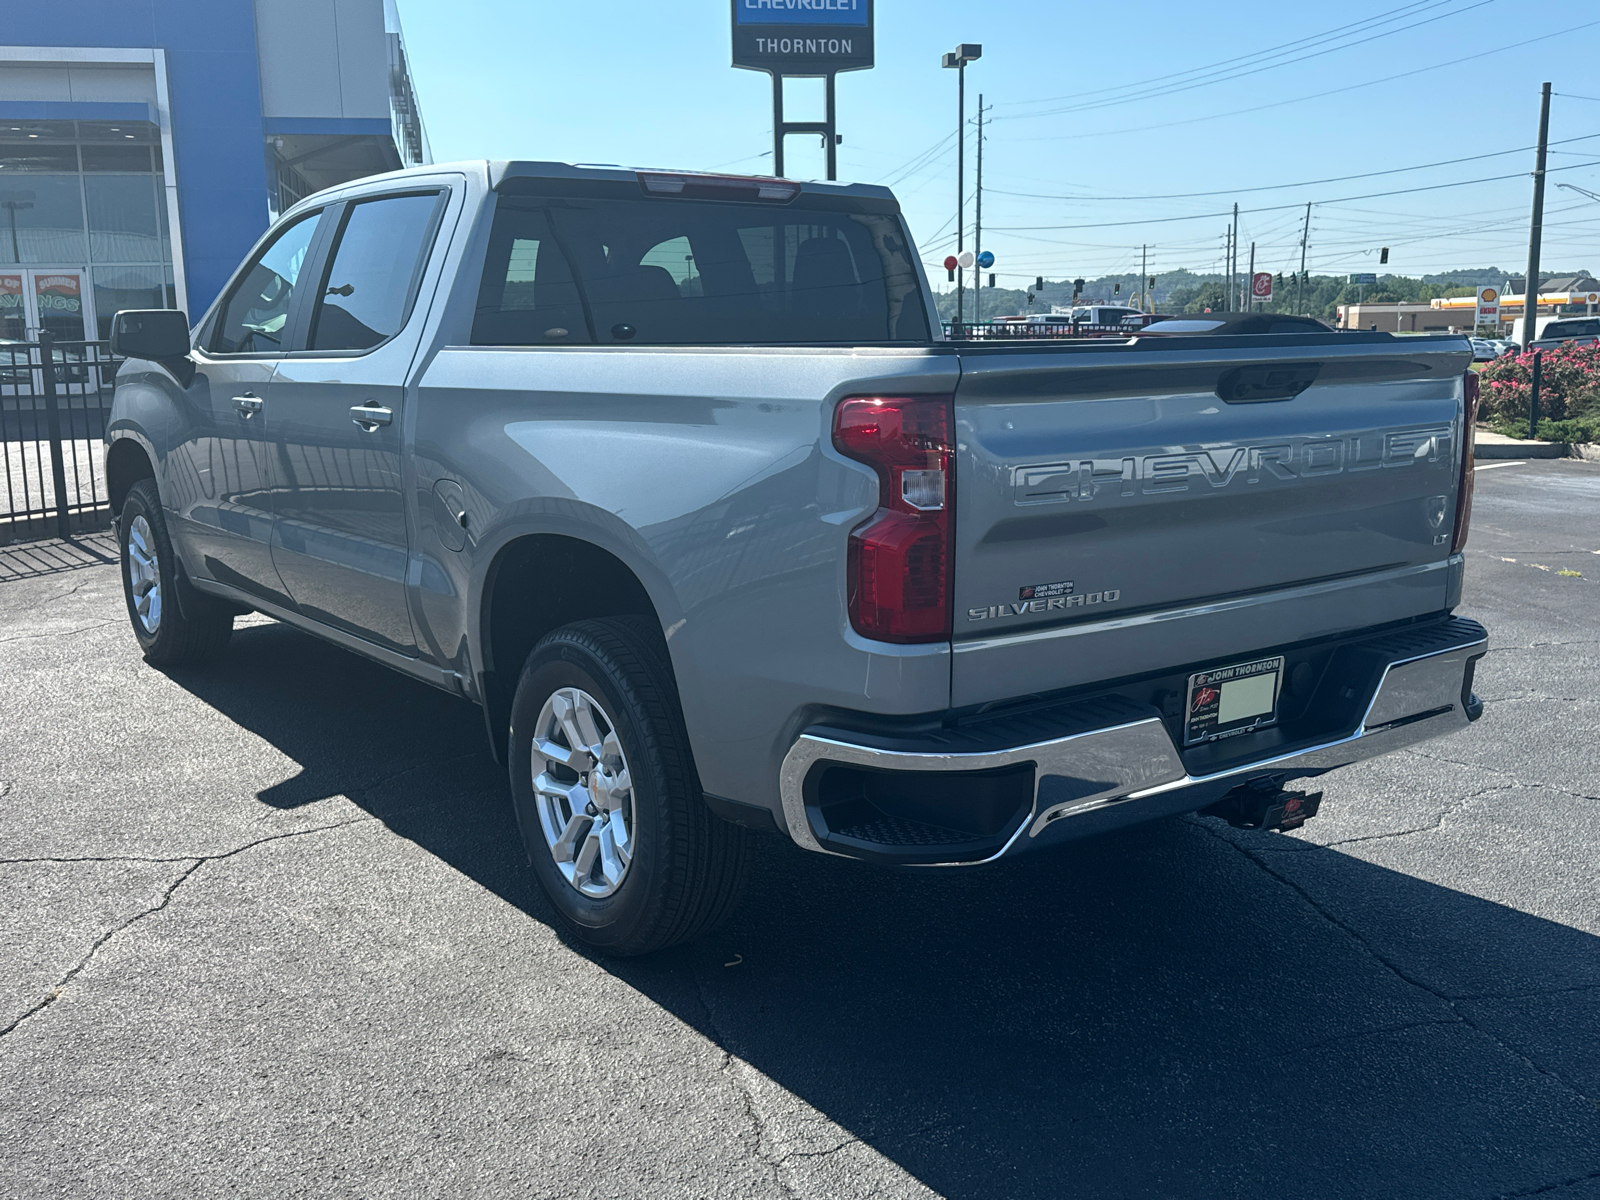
[(1261, 285), (10, 293)]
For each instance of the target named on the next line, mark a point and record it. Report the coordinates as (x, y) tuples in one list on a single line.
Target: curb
[(1588, 451), (1520, 450)]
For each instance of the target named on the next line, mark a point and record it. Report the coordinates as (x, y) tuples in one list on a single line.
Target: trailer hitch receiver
[(1265, 805)]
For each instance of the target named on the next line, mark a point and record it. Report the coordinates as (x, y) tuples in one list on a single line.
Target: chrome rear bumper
[(1135, 762)]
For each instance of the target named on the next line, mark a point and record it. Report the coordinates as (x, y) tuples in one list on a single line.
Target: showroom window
[(84, 203)]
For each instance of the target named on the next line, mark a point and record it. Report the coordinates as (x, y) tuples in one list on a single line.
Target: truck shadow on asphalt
[(1175, 1010)]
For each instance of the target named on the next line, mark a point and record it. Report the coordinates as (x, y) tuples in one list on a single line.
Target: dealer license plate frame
[(1201, 721)]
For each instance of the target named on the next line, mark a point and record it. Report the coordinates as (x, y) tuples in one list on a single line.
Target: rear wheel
[(607, 797), (169, 634)]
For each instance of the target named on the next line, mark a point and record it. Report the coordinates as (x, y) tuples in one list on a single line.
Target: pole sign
[(1261, 286), (802, 37), (1488, 306), (1364, 278)]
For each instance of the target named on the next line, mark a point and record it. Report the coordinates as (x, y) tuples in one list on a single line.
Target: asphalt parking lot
[(268, 932)]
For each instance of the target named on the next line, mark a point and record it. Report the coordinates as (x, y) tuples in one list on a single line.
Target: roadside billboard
[(1488, 306), (802, 37)]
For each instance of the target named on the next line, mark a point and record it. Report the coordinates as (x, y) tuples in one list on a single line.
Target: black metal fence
[(54, 400)]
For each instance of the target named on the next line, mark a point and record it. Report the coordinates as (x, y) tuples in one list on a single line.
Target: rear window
[(1559, 329), (685, 272)]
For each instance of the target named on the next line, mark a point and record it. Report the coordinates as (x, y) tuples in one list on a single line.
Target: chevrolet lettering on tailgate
[(1089, 479)]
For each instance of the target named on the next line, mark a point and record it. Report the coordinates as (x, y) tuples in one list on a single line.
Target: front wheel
[(607, 797), (168, 635)]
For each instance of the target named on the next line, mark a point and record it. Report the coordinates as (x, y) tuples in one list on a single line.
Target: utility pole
[(1530, 293), (1227, 257), (1227, 268), (977, 232), (1144, 279), (1300, 283), (1250, 282), (1233, 260)]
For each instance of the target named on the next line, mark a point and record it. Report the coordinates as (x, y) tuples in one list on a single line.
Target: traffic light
[(991, 278), (1150, 283), (1077, 289), (1280, 281), (1116, 289), (1383, 256), (1038, 283)]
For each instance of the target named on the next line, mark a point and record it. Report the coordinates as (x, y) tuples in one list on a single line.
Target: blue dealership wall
[(214, 90)]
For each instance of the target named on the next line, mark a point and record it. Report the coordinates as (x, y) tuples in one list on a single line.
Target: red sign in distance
[(1261, 285), (950, 263)]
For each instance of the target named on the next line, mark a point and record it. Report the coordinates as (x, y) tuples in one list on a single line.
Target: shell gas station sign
[(1488, 306)]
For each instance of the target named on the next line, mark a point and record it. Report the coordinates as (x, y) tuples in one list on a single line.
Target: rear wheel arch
[(127, 462), (536, 584)]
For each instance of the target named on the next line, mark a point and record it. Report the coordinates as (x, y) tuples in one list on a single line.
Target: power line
[(1149, 93), (1059, 137), (1433, 187), (917, 161), (1274, 187), (1272, 51)]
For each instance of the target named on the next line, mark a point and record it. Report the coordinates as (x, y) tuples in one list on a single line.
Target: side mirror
[(153, 333)]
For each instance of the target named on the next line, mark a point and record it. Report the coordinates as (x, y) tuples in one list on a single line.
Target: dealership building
[(146, 144)]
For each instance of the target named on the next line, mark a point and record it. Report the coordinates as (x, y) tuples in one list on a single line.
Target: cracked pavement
[(269, 933)]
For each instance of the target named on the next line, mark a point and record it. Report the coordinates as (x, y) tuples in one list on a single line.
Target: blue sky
[(1092, 104)]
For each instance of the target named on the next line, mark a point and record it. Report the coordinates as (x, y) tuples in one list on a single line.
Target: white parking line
[(1492, 466)]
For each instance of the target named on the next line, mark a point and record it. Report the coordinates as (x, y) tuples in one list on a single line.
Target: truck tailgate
[(1116, 514)]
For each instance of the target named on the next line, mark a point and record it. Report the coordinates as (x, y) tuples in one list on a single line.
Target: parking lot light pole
[(964, 53)]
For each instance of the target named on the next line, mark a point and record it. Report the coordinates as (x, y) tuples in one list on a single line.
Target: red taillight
[(1469, 418), (900, 556)]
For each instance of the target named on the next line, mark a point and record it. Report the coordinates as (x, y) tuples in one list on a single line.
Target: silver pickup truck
[(672, 475)]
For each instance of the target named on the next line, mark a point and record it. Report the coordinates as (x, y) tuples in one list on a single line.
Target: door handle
[(369, 416), (247, 404)]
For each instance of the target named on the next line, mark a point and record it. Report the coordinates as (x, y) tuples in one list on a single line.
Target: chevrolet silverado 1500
[(673, 476)]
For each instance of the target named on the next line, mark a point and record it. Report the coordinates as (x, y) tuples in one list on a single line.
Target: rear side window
[(373, 271), (677, 272), (253, 316), (528, 297)]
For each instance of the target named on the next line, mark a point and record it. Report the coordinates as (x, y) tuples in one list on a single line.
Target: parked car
[(19, 365), (768, 554), (1484, 350), (1107, 314), (1583, 330)]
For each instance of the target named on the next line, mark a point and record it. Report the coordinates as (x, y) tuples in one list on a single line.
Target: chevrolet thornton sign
[(802, 37)]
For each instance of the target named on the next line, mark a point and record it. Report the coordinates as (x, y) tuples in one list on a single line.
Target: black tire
[(688, 867), (194, 631)]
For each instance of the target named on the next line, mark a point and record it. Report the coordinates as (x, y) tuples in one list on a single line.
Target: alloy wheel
[(583, 792), (144, 575)]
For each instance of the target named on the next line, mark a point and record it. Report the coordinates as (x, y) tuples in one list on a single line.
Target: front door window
[(256, 313)]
